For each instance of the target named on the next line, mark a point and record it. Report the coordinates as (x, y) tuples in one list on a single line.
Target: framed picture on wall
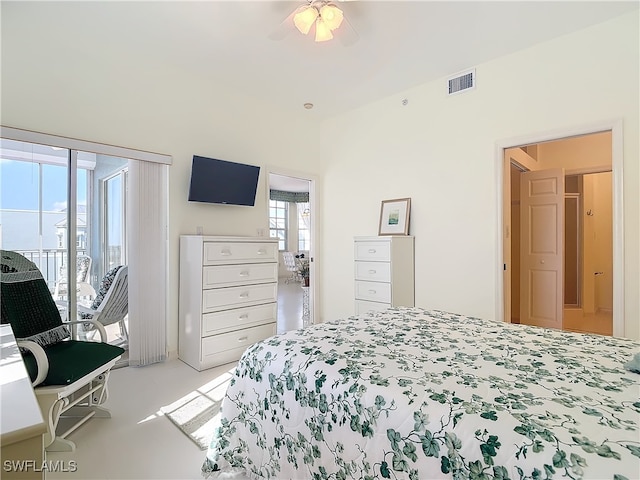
[(394, 217)]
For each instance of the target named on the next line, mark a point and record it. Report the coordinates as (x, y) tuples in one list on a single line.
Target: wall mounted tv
[(221, 181)]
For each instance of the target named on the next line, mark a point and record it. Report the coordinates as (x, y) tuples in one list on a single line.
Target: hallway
[(600, 323), (289, 306)]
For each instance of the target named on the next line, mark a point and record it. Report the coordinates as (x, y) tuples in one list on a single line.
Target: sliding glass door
[(64, 210), (35, 209), (71, 211)]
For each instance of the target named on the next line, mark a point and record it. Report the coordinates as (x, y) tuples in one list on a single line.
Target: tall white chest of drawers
[(228, 297), (384, 272)]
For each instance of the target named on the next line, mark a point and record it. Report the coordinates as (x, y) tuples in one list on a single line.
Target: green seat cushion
[(71, 360)]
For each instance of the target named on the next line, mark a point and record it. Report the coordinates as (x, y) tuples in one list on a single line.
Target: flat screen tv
[(224, 182)]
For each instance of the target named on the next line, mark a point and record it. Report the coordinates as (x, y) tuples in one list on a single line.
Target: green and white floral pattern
[(416, 394)]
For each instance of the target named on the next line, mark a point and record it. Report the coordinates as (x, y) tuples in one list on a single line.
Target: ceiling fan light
[(323, 32), (305, 18), (331, 15)]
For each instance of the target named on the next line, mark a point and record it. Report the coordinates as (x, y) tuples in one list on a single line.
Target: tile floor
[(138, 443)]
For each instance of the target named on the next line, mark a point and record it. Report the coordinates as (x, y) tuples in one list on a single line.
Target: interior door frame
[(503, 183), (314, 309)]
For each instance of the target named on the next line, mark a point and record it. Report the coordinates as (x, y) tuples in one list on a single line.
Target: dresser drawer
[(228, 275), (213, 323), (363, 306), (373, 291), (373, 251), (373, 271), (219, 252), (229, 297), (229, 347)]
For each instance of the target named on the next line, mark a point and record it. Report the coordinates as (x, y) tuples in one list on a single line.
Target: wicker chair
[(69, 376)]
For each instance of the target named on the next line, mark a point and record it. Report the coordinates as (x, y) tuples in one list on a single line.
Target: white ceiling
[(400, 44)]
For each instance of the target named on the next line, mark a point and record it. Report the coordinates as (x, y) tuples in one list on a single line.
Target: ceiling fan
[(322, 17)]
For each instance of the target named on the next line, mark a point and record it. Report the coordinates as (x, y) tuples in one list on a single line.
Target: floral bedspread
[(417, 394)]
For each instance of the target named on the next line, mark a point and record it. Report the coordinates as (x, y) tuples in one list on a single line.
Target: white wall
[(131, 103), (441, 152)]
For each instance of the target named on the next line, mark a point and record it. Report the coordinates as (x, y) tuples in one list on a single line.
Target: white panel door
[(541, 253)]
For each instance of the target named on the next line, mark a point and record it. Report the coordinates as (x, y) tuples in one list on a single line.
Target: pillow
[(634, 364), (105, 284)]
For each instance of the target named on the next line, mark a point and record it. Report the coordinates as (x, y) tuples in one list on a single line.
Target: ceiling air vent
[(461, 82)]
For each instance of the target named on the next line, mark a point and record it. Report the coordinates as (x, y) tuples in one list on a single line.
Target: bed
[(417, 394)]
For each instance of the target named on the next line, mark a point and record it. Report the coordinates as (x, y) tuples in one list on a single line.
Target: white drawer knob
[(372, 292), (243, 339), (372, 250), (244, 295), (244, 273), (243, 316), (225, 251), (372, 272), (262, 251)]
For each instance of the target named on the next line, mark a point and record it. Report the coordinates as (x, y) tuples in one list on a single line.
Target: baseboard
[(172, 355)]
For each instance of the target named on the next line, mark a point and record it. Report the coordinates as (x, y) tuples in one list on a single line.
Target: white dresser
[(384, 272), (228, 297)]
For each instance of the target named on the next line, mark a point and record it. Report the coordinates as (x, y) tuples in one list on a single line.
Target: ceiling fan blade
[(346, 34), (284, 28)]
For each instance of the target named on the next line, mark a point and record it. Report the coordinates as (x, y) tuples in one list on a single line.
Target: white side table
[(21, 423)]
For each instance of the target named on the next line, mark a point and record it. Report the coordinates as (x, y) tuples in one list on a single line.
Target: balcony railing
[(50, 262)]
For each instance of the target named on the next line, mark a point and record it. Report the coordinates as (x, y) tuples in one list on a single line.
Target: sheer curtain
[(147, 238)]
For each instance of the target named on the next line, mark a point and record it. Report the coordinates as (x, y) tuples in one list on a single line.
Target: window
[(114, 226), (278, 222), (303, 226)]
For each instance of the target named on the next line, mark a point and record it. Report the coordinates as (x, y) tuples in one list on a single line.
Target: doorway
[(588, 247), (292, 220)]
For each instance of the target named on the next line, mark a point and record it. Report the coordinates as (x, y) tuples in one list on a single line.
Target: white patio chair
[(111, 304), (289, 260)]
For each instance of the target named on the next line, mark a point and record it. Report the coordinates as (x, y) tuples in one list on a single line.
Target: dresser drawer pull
[(372, 250), (372, 272), (244, 273), (225, 251), (372, 292), (244, 295), (262, 251), (243, 339)]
